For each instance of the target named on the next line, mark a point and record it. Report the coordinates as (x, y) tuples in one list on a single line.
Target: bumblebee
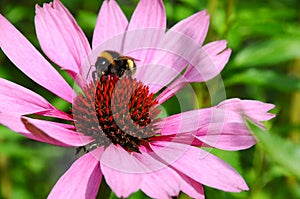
[(113, 63)]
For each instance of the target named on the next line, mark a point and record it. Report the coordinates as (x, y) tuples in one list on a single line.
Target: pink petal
[(205, 168), (205, 64), (146, 29), (171, 89), (167, 182), (194, 27), (122, 182), (155, 76), (109, 34), (193, 188), (51, 132), (254, 110), (138, 171), (190, 120), (163, 183), (21, 101), (148, 14), (197, 167), (111, 22), (60, 36), (230, 136), (222, 126), (214, 48), (82, 180), (43, 131), (178, 47), (170, 59), (30, 61), (210, 64), (218, 53), (14, 123)]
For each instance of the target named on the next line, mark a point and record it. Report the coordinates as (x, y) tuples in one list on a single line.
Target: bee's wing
[(127, 57)]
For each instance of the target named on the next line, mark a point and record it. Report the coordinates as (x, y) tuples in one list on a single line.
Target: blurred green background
[(265, 65)]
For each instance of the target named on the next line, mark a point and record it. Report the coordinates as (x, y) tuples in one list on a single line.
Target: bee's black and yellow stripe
[(111, 62), (108, 56)]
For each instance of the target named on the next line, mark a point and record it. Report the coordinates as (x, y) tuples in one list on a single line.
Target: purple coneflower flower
[(114, 117)]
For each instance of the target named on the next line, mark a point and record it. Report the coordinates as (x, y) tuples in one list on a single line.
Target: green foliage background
[(265, 65)]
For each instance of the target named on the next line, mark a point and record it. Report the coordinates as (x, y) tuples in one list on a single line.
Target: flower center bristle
[(118, 111)]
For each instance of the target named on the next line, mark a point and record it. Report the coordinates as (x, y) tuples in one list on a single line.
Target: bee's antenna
[(89, 71)]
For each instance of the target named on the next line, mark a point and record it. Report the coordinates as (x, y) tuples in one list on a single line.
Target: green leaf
[(267, 53), (104, 190), (17, 13), (265, 78), (138, 195), (281, 151), (231, 157), (87, 20)]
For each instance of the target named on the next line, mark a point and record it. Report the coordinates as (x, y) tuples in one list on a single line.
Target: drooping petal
[(24, 55), (21, 101), (139, 171), (111, 22), (82, 180), (123, 183), (163, 183), (222, 126), (192, 120), (50, 130), (43, 131), (203, 167), (229, 136), (254, 110), (192, 188), (168, 181), (210, 170), (14, 123), (60, 37)]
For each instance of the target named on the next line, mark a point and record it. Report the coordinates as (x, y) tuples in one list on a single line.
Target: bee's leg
[(78, 149), (95, 76)]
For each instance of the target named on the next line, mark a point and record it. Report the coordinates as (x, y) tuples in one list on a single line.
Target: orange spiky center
[(118, 111)]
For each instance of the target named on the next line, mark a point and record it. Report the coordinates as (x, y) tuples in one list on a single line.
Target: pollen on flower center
[(118, 111)]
